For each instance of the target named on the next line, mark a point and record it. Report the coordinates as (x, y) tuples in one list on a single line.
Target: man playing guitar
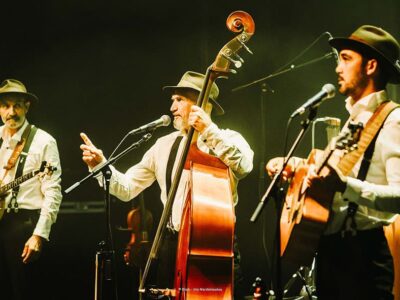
[(353, 258)]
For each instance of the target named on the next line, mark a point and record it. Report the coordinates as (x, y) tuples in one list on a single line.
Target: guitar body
[(303, 218)]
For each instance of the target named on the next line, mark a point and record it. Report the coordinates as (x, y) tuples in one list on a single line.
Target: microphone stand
[(105, 286), (291, 68), (276, 189)]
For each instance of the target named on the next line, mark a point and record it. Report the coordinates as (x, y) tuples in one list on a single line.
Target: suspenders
[(19, 158), (168, 173)]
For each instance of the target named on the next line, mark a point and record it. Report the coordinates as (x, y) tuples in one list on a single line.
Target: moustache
[(15, 118)]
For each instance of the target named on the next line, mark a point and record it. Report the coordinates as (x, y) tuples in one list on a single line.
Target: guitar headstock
[(348, 139), (46, 169), (239, 22)]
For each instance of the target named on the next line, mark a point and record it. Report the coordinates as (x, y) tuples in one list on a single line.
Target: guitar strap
[(17, 150), (372, 129), (20, 167)]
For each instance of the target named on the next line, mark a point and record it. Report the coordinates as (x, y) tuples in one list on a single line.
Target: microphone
[(330, 121), (333, 128), (334, 50), (327, 92), (163, 121)]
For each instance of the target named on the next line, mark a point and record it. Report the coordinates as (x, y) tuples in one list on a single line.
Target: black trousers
[(163, 272), (17, 280), (355, 267)]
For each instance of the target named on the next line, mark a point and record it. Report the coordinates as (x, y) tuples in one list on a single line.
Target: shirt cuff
[(353, 189), (43, 227), (208, 136)]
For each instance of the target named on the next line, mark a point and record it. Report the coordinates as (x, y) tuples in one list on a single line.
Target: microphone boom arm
[(291, 68)]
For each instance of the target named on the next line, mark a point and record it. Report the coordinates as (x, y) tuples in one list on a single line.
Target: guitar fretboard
[(17, 181)]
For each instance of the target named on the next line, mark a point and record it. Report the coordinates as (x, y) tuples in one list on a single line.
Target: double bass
[(204, 261)]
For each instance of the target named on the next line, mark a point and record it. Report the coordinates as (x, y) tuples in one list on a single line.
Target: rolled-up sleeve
[(231, 148), (385, 195)]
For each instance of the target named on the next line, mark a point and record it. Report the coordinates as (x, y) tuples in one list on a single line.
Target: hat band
[(356, 38)]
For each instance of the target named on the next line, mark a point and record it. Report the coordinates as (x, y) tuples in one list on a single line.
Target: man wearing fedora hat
[(30, 209), (353, 258), (159, 161)]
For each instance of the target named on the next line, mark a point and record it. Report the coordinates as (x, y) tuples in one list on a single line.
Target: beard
[(355, 87), (14, 122), (180, 124)]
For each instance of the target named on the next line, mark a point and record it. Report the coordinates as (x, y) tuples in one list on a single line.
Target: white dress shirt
[(39, 193), (227, 144), (379, 194)]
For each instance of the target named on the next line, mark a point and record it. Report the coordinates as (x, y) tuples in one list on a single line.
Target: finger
[(87, 153), (86, 139), (25, 251), (28, 257), (85, 147), (91, 150), (88, 159)]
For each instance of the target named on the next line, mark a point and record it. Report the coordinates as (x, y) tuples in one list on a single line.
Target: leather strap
[(372, 127), (367, 145), (21, 164), (18, 149)]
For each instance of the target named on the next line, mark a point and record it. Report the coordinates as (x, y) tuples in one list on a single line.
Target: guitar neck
[(325, 157), (17, 182)]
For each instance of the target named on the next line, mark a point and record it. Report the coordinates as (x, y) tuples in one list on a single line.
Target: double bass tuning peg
[(238, 62), (245, 46)]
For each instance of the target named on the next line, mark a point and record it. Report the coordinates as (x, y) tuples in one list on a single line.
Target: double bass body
[(204, 267)]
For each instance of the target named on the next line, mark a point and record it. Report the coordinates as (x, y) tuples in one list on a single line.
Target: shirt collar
[(18, 135), (368, 103)]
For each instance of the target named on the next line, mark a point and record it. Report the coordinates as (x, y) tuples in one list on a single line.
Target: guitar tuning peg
[(237, 63), (233, 71), (244, 46)]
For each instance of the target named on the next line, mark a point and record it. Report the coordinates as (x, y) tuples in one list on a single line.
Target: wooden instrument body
[(204, 268)]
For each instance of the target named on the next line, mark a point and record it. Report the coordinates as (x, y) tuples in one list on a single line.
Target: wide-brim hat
[(376, 42), (15, 87), (194, 81)]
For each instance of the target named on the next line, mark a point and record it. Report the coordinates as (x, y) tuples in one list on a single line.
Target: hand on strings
[(32, 249), (90, 154), (199, 119), (332, 181)]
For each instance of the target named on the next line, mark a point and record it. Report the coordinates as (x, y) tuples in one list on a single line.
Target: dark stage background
[(98, 67)]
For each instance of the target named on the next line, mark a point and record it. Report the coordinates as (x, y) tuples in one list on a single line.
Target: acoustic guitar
[(303, 218)]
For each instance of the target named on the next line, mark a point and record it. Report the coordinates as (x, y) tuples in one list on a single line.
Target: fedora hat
[(194, 81), (376, 42), (15, 87)]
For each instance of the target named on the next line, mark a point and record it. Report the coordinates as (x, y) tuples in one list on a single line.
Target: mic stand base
[(152, 292), (104, 285)]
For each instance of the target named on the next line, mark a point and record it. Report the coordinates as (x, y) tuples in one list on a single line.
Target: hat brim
[(218, 110), (343, 43), (28, 96)]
